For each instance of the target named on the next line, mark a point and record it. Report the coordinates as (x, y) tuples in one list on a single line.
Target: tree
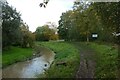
[(63, 26), (45, 33), (88, 18), (10, 27), (79, 23), (109, 13), (44, 4), (27, 36)]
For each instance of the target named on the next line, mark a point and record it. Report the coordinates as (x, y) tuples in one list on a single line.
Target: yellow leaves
[(54, 37), (46, 33)]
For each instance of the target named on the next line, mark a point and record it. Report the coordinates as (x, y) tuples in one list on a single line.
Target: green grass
[(65, 52), (106, 63), (15, 54), (106, 60), (0, 60)]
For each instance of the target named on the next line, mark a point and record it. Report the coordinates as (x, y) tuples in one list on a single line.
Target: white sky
[(35, 16)]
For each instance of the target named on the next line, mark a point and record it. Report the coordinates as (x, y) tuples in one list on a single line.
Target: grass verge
[(106, 66), (14, 55), (65, 52)]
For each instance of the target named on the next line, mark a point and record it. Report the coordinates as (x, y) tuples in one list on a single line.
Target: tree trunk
[(87, 38)]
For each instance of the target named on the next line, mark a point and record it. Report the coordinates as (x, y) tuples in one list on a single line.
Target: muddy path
[(87, 61)]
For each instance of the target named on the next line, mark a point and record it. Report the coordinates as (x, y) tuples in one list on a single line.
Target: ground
[(87, 62), (97, 60), (82, 60)]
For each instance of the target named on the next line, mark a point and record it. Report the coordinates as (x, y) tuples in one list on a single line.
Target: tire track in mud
[(87, 62)]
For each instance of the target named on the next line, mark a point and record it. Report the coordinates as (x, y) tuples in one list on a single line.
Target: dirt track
[(87, 62)]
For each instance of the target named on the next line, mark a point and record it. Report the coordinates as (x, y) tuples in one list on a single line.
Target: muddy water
[(30, 68)]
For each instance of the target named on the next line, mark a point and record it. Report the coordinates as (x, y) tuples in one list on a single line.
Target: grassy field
[(106, 60), (65, 52), (15, 54)]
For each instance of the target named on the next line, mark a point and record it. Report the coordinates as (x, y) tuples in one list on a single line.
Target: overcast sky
[(35, 16)]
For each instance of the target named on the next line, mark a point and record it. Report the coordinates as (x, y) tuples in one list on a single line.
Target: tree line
[(77, 24), (16, 33), (85, 19), (14, 30)]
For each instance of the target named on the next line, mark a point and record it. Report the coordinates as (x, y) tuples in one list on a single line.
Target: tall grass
[(106, 60)]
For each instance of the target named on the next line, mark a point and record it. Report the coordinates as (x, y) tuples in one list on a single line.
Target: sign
[(95, 35)]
